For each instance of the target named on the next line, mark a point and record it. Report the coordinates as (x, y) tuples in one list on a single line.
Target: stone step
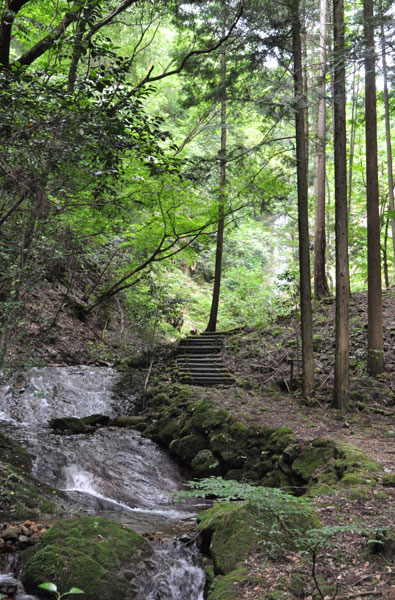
[(201, 342), (207, 382), (203, 372), (183, 349), (203, 368), (201, 360), (206, 336), (208, 376)]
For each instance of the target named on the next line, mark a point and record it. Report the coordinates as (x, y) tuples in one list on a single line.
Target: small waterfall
[(178, 572), (112, 472)]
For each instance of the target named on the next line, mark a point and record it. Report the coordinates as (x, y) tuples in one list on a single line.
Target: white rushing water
[(113, 472)]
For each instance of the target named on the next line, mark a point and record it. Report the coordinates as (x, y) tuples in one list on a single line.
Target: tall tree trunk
[(321, 289), (387, 126), (341, 383), (375, 310), (212, 324), (304, 256), (354, 108)]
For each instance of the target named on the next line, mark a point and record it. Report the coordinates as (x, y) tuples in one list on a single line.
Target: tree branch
[(42, 46), (149, 79)]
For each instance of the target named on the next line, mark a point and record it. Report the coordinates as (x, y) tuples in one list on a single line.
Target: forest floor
[(265, 395)]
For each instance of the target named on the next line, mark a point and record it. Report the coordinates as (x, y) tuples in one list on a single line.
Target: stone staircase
[(199, 360)]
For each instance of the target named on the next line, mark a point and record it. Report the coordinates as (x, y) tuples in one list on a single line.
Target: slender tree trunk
[(304, 256), (321, 289), (341, 384), (305, 90), (212, 324), (375, 311), (354, 108), (387, 127)]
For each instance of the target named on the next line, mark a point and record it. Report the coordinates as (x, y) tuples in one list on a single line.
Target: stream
[(113, 472)]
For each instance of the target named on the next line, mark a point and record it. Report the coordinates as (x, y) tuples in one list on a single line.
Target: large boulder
[(232, 529), (98, 556)]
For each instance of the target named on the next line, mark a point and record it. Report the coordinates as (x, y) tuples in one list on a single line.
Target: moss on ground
[(223, 586)]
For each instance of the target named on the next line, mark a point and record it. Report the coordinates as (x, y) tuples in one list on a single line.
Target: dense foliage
[(110, 154)]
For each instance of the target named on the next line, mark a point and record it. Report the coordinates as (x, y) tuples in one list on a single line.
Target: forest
[(197, 234)]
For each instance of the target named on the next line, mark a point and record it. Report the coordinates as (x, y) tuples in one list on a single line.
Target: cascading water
[(112, 472)]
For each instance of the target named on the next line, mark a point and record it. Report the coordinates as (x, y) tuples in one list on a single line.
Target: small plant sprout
[(51, 587)]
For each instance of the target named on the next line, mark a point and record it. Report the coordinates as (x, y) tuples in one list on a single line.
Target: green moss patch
[(223, 587), (212, 443), (90, 553), (234, 529), (21, 495)]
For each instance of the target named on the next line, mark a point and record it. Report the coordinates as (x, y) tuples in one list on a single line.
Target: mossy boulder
[(351, 459), (168, 430), (205, 417), (278, 479), (234, 529), (186, 448), (232, 451), (280, 439), (95, 554), (206, 464), (318, 455)]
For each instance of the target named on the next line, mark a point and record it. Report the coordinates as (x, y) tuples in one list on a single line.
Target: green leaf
[(51, 587), (73, 590)]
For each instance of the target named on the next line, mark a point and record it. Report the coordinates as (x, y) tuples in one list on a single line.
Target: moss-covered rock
[(206, 464), (68, 425), (91, 553), (314, 458), (236, 528), (351, 459), (223, 587), (280, 439), (186, 448), (278, 479), (389, 480), (205, 417), (22, 496), (13, 454), (167, 430)]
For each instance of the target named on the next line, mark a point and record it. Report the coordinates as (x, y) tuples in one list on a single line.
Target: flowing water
[(112, 472)]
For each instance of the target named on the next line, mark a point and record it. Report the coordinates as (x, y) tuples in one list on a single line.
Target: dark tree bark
[(387, 127), (375, 310), (10, 11), (304, 256), (212, 323), (341, 383), (321, 289)]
